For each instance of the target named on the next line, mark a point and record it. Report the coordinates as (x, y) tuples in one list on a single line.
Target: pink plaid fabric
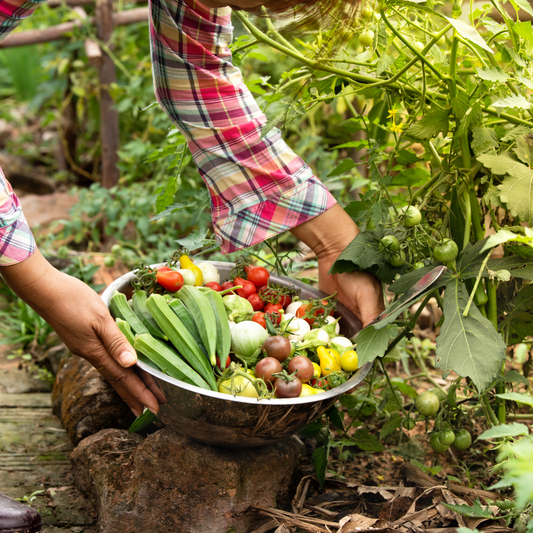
[(258, 187)]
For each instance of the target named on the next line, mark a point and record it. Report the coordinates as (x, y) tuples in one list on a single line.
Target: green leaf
[(516, 397), (335, 417), (371, 343), (384, 63), (390, 426), (514, 133), (363, 439), (345, 166), (517, 192), (406, 157), (320, 462), (457, 219), (172, 209), (359, 210), (352, 125), (515, 377), (514, 429), (522, 4), (470, 345), (196, 239), (460, 105), (515, 101), (411, 177), (429, 126), (524, 149), (363, 251), (499, 164), (525, 252), (484, 139), (312, 430), (492, 74), (469, 33), (505, 235), (476, 511), (166, 196), (404, 388)]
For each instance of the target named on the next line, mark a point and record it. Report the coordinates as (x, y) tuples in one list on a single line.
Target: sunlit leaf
[(513, 429)]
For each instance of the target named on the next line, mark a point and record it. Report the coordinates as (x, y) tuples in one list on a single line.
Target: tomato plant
[(427, 403), (445, 252), (463, 440)]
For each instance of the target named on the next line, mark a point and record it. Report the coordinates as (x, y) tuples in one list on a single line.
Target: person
[(258, 186)]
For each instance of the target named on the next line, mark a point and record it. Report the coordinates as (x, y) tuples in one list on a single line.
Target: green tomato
[(411, 216), (418, 46), (427, 403), (418, 265), (391, 243), (441, 395), (397, 259), (436, 444), (463, 440), (366, 38), (109, 261), (370, 225), (367, 12), (446, 437), (408, 424), (116, 249), (446, 251)]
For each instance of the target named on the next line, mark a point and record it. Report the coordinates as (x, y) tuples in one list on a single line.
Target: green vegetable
[(247, 337), (183, 314), (398, 259), (139, 308), (463, 440), (411, 216), (446, 251), (223, 332), (391, 243), (436, 444), (125, 328), (238, 309), (427, 403), (121, 309)]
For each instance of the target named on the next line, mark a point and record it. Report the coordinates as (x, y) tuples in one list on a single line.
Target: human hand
[(83, 323), (328, 235)]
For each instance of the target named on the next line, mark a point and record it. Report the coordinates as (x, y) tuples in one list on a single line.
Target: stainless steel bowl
[(233, 421)]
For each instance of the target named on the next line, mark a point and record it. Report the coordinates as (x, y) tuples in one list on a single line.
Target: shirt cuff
[(16, 243), (273, 216)]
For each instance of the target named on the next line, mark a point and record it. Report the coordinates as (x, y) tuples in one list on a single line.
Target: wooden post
[(109, 131)]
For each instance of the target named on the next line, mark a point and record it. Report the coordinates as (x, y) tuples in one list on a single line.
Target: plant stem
[(419, 360), (468, 217), (392, 388), (478, 279), (488, 410)]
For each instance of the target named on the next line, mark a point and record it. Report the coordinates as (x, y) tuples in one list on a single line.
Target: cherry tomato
[(214, 285), (307, 390), (163, 269), (170, 280), (227, 285), (305, 309), (256, 301), (258, 275), (411, 216), (266, 367), (441, 395), (277, 347), (427, 403), (259, 318), (446, 437), (418, 265), (292, 389), (228, 361), (419, 46), (273, 311), (463, 440), (446, 251), (349, 361), (391, 243), (302, 366), (408, 424), (367, 12), (436, 444), (366, 38), (285, 301), (248, 288), (272, 308), (397, 259), (274, 317)]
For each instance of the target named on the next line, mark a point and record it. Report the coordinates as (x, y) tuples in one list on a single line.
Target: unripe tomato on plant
[(391, 243), (463, 440), (446, 437), (367, 12), (408, 424), (411, 216), (441, 395), (427, 403), (419, 46), (418, 265), (436, 444), (109, 261), (398, 259), (366, 38), (446, 251)]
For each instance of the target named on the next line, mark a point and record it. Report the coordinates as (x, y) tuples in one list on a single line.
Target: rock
[(167, 483), (85, 402)]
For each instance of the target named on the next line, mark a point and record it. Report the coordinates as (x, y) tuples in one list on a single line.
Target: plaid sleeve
[(258, 187), (16, 240), (12, 12)]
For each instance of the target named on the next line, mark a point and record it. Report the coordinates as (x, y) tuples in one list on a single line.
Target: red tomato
[(256, 302), (228, 361), (170, 280), (227, 285), (274, 316), (214, 285), (285, 301), (248, 288), (271, 308), (259, 318), (163, 269), (259, 276)]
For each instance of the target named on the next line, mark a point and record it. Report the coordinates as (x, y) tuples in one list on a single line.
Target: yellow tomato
[(330, 360), (317, 372), (349, 361), (307, 390), (241, 387)]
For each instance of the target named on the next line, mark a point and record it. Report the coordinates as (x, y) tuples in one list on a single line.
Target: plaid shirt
[(258, 187)]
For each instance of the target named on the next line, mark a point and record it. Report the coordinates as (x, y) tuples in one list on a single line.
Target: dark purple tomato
[(277, 347), (266, 367)]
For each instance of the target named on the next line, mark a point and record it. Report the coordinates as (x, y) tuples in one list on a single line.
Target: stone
[(167, 483), (85, 402)]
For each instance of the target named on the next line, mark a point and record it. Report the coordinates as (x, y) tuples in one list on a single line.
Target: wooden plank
[(34, 399), (61, 31)]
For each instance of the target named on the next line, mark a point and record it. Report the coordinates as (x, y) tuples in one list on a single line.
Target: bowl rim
[(357, 378)]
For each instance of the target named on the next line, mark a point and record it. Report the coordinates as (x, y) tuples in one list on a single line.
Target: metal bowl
[(233, 421)]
